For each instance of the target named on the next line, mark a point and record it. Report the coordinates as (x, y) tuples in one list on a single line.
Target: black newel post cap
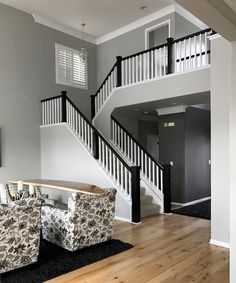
[(170, 40)]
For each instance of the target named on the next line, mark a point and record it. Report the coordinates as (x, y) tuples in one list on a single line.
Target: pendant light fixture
[(83, 51)]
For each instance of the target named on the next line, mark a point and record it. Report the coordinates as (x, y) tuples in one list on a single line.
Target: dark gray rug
[(200, 210), (54, 261)]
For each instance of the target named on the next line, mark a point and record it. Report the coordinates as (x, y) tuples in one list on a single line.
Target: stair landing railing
[(180, 55)]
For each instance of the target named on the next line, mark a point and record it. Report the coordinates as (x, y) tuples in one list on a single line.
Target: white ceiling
[(100, 16)]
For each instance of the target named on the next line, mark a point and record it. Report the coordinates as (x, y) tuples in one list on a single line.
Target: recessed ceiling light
[(145, 112), (143, 8), (136, 109)]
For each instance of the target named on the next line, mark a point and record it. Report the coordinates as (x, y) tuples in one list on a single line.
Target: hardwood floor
[(167, 249)]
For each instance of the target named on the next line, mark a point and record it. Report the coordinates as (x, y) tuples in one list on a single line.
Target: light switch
[(169, 124)]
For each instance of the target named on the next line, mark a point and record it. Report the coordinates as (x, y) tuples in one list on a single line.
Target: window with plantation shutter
[(71, 70)]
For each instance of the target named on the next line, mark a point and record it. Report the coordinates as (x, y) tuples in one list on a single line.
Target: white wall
[(166, 87), (220, 139), (63, 157), (233, 167)]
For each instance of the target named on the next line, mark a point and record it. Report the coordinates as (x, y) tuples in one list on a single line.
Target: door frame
[(148, 30)]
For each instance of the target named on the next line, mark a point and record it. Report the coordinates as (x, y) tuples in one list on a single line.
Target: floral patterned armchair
[(7, 189), (86, 221), (20, 223)]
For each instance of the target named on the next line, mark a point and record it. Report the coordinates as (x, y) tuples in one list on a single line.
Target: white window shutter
[(79, 74), (70, 69)]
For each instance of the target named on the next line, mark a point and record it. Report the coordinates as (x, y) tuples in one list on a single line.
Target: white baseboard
[(125, 220), (219, 244), (122, 219), (191, 202)]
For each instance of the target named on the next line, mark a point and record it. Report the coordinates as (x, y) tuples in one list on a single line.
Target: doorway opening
[(157, 35)]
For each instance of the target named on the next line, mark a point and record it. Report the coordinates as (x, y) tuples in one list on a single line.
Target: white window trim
[(85, 87), (148, 30)]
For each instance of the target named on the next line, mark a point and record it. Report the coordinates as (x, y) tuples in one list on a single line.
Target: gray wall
[(128, 120), (27, 74), (126, 44), (197, 154), (147, 128), (172, 148), (183, 27), (187, 144)]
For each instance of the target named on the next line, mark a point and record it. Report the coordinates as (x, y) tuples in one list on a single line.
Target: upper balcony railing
[(180, 55)]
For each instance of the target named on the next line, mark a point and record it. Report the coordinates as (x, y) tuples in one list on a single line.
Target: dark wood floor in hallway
[(168, 249)]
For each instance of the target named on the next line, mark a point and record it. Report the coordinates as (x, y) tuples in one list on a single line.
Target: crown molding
[(60, 27), (136, 24), (152, 17), (127, 28)]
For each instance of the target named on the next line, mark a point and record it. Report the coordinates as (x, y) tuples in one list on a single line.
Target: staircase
[(124, 176), (151, 172), (148, 208), (142, 182)]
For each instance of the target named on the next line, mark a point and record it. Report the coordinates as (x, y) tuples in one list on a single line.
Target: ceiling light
[(143, 8), (145, 112), (83, 51), (136, 109)]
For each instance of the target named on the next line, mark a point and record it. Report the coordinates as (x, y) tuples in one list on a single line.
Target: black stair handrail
[(100, 135), (145, 51), (166, 44), (51, 98), (194, 34), (134, 170), (106, 78), (94, 129), (137, 142)]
